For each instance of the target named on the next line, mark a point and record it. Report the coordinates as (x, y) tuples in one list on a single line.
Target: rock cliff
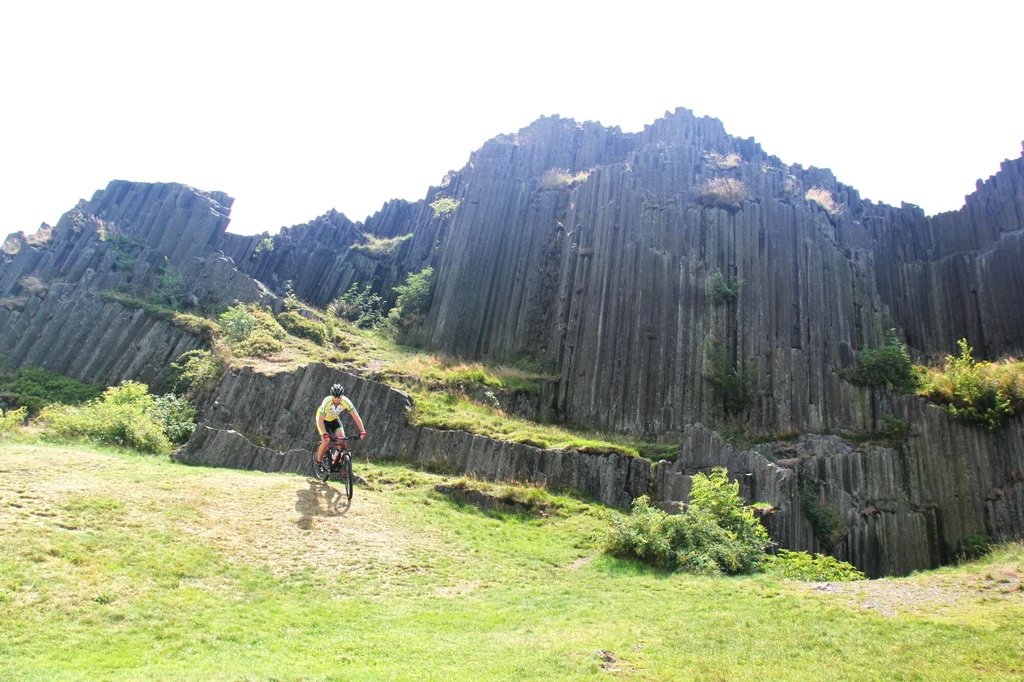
[(637, 265)]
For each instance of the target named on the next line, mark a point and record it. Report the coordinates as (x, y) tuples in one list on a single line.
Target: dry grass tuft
[(560, 178), (722, 161), (822, 197), (727, 193)]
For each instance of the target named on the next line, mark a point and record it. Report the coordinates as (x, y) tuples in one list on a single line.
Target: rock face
[(81, 336), (637, 266), (129, 236)]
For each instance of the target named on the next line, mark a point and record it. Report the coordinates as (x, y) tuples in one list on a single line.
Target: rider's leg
[(322, 450)]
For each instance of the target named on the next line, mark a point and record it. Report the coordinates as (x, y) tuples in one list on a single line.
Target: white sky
[(294, 108)]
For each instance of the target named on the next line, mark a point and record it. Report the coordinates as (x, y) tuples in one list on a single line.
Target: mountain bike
[(337, 460)]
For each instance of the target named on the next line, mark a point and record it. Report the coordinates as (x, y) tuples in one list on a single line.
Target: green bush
[(266, 244), (826, 522), (297, 325), (443, 206), (717, 533), (252, 331), (888, 366), (258, 345), (238, 323), (974, 547), (734, 385), (362, 307), (810, 568), (724, 289), (123, 416), (35, 387), (200, 326), (413, 300), (195, 372), (175, 415), (982, 393), (12, 419)]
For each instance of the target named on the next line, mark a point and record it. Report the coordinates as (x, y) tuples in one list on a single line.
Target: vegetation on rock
[(727, 193), (35, 387), (444, 206), (717, 533), (982, 393), (887, 366), (810, 567)]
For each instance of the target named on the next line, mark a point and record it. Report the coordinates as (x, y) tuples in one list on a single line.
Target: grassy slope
[(120, 567)]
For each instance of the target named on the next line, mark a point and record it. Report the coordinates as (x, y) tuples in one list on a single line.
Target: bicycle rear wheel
[(347, 463), (322, 470)]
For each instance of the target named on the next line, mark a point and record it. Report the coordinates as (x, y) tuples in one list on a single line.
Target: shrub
[(717, 533), (32, 285), (723, 288), (888, 366), (727, 193), (381, 246), (828, 526), (810, 568), (35, 387), (297, 325), (122, 416), (175, 415), (193, 324), (723, 161), (12, 419), (167, 291), (822, 197), (413, 298), (559, 178), (980, 393), (364, 308), (238, 323), (974, 547), (259, 345), (195, 372), (266, 244), (734, 384), (444, 206)]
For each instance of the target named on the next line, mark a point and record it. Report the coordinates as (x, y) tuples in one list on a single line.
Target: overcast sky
[(311, 105)]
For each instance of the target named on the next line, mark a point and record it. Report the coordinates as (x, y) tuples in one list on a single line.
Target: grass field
[(116, 566)]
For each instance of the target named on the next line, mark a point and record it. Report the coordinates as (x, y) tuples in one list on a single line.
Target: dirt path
[(287, 523)]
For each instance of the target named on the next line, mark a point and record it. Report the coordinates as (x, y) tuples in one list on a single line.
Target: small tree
[(886, 366)]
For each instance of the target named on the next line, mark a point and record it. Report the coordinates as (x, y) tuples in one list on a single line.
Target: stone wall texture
[(598, 253)]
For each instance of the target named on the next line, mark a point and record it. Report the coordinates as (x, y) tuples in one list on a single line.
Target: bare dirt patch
[(935, 595), (287, 523)]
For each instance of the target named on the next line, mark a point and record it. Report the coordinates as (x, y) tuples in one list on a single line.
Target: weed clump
[(444, 206), (727, 193), (811, 567), (823, 197), (718, 532), (297, 325), (35, 387), (124, 416), (886, 366), (982, 393)]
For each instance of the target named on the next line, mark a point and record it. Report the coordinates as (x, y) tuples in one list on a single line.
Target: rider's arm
[(358, 421), (320, 423)]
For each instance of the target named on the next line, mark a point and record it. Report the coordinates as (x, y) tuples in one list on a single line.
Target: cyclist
[(328, 419)]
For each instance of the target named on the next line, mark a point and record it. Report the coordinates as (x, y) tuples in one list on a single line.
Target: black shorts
[(331, 427)]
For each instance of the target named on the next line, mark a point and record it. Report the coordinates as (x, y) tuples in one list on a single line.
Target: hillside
[(680, 292), (122, 567)]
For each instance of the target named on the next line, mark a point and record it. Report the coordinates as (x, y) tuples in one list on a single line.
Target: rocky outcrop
[(73, 332), (612, 479), (230, 449), (134, 237)]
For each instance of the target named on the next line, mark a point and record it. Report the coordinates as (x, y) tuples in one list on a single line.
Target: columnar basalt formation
[(74, 333), (638, 265)]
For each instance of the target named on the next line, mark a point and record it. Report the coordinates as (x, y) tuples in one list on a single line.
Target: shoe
[(319, 469)]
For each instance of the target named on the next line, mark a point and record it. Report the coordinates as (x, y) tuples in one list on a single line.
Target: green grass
[(122, 567)]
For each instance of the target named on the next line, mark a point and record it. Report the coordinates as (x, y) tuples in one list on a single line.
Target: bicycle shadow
[(320, 499)]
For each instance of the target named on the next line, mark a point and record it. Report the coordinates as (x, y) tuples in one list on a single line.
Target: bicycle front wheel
[(348, 475)]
